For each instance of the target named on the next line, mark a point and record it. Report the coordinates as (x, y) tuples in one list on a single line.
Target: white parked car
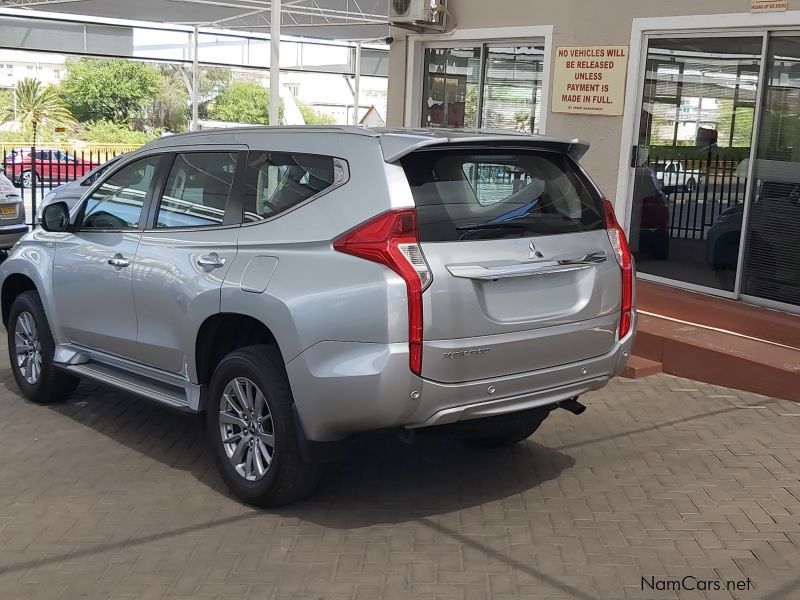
[(674, 176), (12, 214), (71, 192)]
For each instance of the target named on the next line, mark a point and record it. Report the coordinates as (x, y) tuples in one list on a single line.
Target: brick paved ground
[(109, 497)]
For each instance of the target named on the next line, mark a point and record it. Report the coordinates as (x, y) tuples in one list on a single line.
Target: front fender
[(34, 258)]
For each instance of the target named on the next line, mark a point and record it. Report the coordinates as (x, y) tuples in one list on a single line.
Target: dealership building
[(692, 110)]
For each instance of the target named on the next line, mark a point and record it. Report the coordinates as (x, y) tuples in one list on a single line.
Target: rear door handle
[(211, 261), (119, 261), (540, 267)]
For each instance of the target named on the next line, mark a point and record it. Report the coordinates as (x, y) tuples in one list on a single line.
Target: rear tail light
[(623, 254), (391, 240)]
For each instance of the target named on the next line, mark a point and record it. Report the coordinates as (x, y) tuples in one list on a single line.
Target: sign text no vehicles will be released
[(590, 79)]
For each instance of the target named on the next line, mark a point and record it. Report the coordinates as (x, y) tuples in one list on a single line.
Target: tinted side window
[(278, 181), (117, 203), (197, 190)]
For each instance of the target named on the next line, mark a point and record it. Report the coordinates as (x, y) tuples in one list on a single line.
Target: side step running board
[(153, 390)]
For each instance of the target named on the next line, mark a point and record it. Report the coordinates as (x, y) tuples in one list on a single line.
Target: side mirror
[(55, 217)]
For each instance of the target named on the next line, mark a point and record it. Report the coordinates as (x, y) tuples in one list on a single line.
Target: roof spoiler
[(396, 147)]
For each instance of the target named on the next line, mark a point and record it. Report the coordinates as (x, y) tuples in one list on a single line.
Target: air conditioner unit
[(413, 11)]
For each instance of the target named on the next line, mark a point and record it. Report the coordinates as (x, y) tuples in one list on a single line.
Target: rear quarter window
[(469, 194), (277, 182)]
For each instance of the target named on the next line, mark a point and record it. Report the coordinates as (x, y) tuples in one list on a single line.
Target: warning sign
[(768, 5), (590, 80)]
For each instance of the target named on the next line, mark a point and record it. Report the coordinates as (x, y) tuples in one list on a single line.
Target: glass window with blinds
[(483, 86)]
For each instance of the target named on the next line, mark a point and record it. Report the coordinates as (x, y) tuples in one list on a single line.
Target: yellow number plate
[(8, 209)]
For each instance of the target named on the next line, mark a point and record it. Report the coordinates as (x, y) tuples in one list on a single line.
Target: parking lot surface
[(665, 479)]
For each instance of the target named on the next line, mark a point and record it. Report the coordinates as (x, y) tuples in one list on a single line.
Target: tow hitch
[(572, 405)]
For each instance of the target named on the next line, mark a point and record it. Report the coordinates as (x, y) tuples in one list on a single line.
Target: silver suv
[(301, 285)]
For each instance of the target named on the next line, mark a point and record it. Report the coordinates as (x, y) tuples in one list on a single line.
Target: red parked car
[(51, 165)]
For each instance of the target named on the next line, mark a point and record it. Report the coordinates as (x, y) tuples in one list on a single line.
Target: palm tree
[(37, 105)]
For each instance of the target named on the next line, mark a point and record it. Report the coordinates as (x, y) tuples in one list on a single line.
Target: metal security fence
[(39, 170), (698, 191)]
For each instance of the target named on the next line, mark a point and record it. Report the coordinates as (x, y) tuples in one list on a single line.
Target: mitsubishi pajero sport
[(303, 284)]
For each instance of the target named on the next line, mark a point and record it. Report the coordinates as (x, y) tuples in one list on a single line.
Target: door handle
[(119, 261), (211, 261)]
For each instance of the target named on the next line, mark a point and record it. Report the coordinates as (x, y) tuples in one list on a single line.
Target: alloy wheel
[(28, 348), (245, 424)]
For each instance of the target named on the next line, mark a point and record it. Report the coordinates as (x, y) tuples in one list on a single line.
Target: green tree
[(741, 118), (471, 107), (171, 108), (108, 132), (212, 81), (242, 102), (314, 117), (38, 106), (6, 98), (114, 90)]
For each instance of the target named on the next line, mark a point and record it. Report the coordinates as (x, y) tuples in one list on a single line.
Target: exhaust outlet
[(407, 436), (572, 405)]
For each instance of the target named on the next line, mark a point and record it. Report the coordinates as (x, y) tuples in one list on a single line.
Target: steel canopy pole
[(357, 83), (274, 62), (195, 77)]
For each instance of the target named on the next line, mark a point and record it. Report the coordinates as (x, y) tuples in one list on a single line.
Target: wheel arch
[(14, 285), (222, 333)]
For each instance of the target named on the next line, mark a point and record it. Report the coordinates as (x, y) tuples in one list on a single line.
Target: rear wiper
[(492, 226)]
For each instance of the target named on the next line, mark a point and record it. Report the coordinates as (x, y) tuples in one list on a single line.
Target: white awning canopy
[(323, 19), (329, 19)]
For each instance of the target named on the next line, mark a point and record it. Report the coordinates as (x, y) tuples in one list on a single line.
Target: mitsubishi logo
[(533, 252)]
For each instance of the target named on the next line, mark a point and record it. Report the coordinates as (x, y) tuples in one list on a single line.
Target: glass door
[(690, 164), (771, 258)]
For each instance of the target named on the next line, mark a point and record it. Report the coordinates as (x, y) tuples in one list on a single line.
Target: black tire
[(497, 432), (690, 185), (288, 477), (52, 385)]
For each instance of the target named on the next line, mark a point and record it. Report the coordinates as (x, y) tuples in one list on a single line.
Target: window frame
[(234, 205), (528, 35), (341, 172), (146, 204), (98, 172), (484, 47)]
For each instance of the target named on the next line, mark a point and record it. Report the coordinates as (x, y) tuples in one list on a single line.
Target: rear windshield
[(469, 194)]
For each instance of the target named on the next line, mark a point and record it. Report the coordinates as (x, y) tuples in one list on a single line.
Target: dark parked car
[(650, 217), (773, 226)]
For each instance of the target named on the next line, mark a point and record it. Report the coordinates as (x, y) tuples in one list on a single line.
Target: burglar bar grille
[(36, 171)]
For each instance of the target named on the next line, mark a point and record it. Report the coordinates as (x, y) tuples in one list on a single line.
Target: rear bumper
[(447, 403), (342, 388), (9, 234), (501, 406)]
